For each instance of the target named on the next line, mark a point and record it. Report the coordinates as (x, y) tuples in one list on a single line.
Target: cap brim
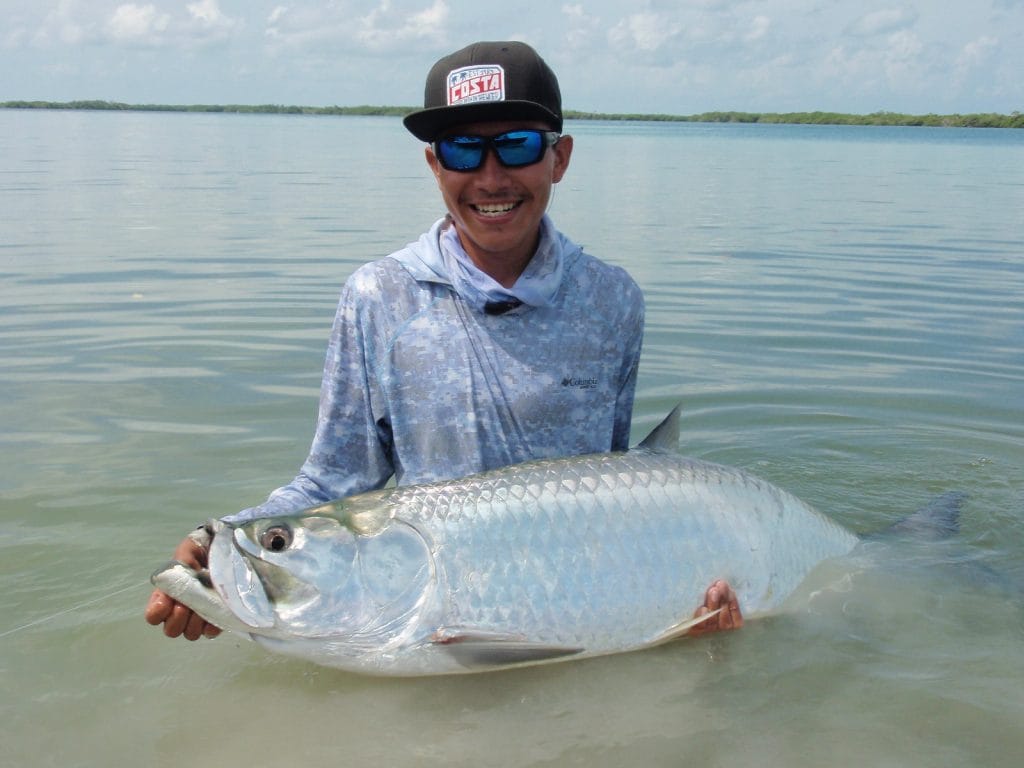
[(429, 124)]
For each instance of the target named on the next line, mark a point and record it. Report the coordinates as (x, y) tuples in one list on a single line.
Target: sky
[(675, 57)]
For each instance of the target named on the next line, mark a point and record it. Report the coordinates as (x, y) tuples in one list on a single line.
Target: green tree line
[(249, 109), (981, 120)]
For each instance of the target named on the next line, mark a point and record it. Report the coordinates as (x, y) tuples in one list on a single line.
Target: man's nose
[(491, 170)]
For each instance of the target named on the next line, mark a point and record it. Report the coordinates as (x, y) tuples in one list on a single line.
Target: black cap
[(487, 81)]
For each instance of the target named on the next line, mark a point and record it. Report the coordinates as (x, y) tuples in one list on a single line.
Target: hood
[(438, 257)]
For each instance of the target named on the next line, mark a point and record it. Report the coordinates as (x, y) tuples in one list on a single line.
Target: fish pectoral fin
[(679, 630), (487, 650)]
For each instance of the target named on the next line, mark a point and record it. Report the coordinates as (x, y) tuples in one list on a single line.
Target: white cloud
[(61, 25), (429, 21), (646, 32), (207, 22), (386, 27), (582, 27), (653, 55), (904, 63), (383, 26), (277, 14), (759, 27), (975, 55), (13, 37), (133, 23), (146, 25), (883, 21), (207, 14), (977, 51)]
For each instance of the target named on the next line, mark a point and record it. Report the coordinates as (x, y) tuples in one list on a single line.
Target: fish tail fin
[(939, 519)]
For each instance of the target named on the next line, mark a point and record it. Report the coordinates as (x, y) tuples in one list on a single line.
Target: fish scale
[(523, 560)]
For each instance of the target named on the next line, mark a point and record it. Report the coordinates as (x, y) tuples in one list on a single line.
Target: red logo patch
[(480, 82)]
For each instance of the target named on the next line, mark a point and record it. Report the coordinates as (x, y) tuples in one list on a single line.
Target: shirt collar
[(536, 286)]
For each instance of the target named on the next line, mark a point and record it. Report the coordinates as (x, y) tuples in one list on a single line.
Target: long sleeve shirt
[(422, 383)]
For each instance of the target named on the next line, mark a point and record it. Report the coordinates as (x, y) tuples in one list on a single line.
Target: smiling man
[(497, 208), (491, 340)]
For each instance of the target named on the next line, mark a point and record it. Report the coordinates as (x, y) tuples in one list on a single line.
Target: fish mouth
[(194, 589), (235, 591), (234, 579)]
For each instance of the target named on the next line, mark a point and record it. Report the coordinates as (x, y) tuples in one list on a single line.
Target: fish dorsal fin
[(664, 438)]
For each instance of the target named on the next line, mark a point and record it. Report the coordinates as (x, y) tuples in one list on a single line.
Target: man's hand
[(179, 619), (719, 595)]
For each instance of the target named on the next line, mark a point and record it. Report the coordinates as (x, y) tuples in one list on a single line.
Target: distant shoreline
[(980, 120)]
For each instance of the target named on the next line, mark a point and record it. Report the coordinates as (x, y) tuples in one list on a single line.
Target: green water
[(838, 309)]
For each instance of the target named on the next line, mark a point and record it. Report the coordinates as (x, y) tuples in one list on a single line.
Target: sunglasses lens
[(461, 153), (519, 147), (514, 149)]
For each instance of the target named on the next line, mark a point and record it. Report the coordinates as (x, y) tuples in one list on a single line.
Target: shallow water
[(838, 310)]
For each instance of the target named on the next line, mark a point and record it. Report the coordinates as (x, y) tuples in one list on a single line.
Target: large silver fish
[(537, 562)]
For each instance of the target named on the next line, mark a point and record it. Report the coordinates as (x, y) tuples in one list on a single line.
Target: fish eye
[(277, 538)]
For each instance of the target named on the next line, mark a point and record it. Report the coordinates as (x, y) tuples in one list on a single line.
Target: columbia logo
[(579, 382)]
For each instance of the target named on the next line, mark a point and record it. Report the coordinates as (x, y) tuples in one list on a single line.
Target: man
[(491, 340)]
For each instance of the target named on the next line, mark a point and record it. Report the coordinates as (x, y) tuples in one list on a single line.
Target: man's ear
[(562, 151), (432, 161)]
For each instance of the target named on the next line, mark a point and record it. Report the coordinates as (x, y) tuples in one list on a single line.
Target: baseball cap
[(487, 81)]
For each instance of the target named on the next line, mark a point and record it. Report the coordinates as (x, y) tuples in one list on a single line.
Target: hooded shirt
[(425, 380)]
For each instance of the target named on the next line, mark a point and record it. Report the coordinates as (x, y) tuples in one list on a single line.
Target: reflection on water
[(837, 309)]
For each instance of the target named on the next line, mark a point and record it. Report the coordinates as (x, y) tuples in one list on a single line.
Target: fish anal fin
[(676, 631), (485, 650)]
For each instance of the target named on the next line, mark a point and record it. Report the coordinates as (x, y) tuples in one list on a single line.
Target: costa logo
[(481, 82)]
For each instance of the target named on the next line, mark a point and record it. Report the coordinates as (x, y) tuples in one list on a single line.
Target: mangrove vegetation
[(982, 120)]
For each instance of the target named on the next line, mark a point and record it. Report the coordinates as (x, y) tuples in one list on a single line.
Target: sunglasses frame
[(490, 144)]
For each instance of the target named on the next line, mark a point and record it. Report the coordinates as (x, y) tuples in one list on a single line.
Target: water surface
[(838, 309)]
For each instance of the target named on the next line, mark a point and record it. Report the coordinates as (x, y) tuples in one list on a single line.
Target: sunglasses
[(513, 149)]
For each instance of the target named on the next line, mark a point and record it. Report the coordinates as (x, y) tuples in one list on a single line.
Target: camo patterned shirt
[(422, 384)]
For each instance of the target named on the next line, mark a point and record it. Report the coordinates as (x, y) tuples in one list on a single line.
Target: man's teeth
[(495, 209)]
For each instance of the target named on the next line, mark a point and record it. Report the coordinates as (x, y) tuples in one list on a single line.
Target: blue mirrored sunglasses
[(513, 149)]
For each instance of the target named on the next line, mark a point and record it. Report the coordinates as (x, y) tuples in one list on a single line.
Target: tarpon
[(536, 562)]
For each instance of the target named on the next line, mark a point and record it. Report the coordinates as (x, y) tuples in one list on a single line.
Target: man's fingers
[(195, 626), (158, 608), (178, 619), (191, 553), (719, 597), (183, 621), (730, 617)]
